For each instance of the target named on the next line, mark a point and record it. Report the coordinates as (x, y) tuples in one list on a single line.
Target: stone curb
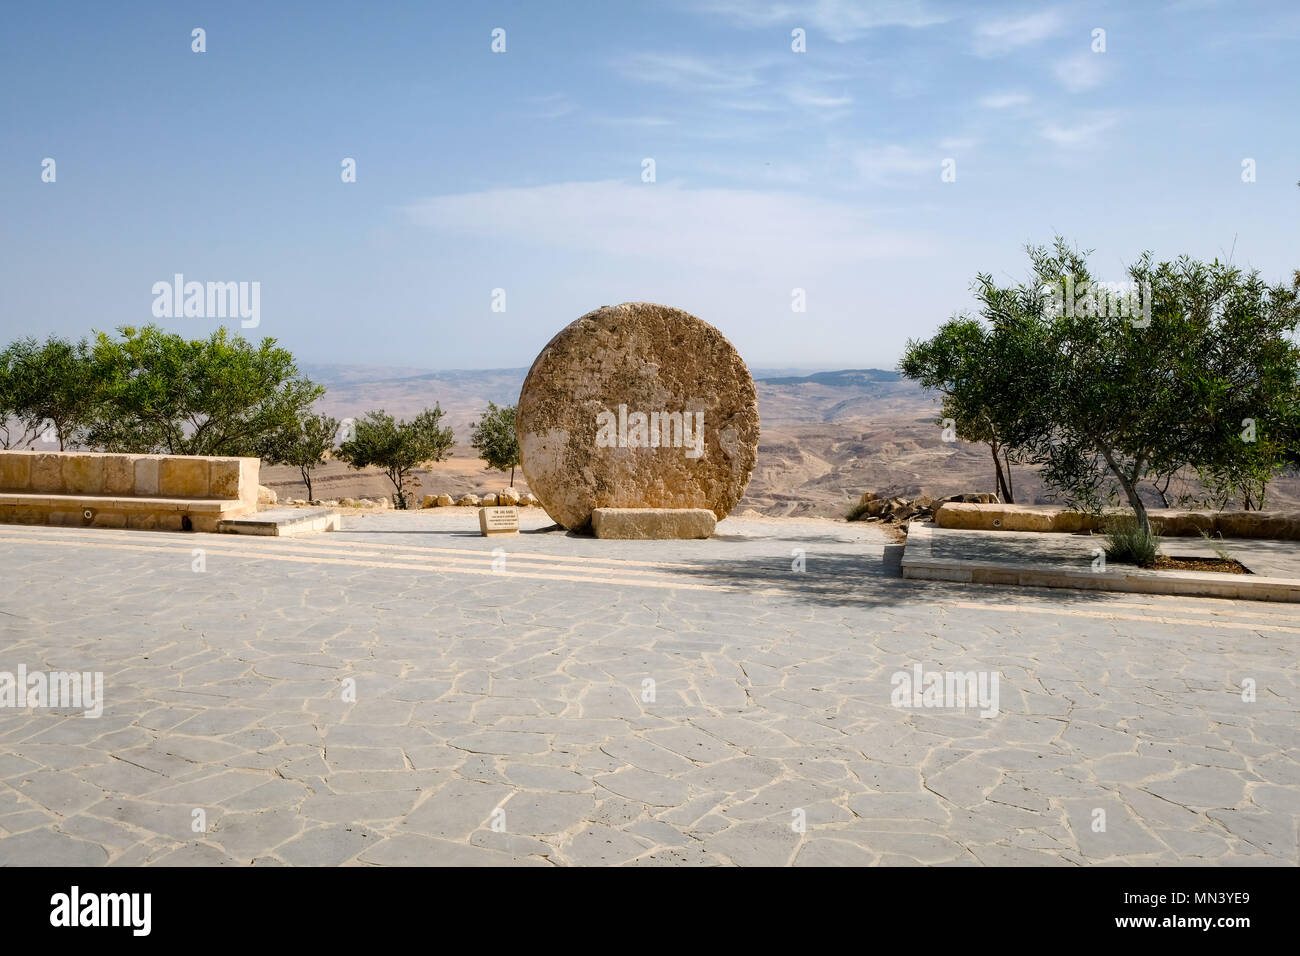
[(1276, 525), (1133, 580)]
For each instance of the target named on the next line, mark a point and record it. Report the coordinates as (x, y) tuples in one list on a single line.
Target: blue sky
[(522, 170)]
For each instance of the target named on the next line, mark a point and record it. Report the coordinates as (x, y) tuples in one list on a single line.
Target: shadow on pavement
[(869, 578)]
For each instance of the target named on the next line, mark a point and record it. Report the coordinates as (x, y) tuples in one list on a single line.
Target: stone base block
[(653, 523)]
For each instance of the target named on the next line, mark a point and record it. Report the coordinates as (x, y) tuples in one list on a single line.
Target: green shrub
[(857, 512), (1129, 543), (1219, 548)]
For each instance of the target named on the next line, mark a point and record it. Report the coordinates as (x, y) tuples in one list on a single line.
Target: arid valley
[(826, 438)]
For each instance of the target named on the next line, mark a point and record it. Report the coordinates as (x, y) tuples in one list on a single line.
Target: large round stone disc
[(608, 413)]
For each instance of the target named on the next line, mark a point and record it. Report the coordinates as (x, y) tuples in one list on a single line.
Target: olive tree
[(493, 437), (975, 367), (1186, 367), (53, 384), (304, 445), (216, 396), (398, 447)]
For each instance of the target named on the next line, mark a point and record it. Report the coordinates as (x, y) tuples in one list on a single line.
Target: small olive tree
[(55, 384), (495, 441), (304, 444), (975, 367), (398, 447)]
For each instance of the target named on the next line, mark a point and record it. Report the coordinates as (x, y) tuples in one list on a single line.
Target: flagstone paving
[(406, 692)]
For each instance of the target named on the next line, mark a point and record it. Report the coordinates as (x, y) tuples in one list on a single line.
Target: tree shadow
[(863, 579)]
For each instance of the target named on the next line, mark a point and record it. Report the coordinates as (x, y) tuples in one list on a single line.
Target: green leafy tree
[(1202, 378), (495, 440), (13, 433), (975, 367), (304, 445), (398, 447), (54, 384), (216, 396), (1194, 369)]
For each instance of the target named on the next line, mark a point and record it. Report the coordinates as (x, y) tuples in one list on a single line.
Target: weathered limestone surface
[(180, 477), (773, 694), (657, 523), (101, 490), (973, 517), (959, 516), (1284, 525), (651, 359)]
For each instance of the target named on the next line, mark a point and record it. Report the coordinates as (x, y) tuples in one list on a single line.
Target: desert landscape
[(826, 438)]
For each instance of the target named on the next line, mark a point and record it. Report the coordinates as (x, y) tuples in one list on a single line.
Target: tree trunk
[(512, 476), (1163, 492), (1006, 461), (1130, 489), (396, 479), (306, 480), (1003, 493), (1135, 501)]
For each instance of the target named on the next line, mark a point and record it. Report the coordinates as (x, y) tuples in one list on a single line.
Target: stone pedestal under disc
[(608, 416)]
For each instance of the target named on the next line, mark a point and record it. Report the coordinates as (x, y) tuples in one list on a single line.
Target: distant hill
[(827, 436), (810, 396), (844, 378)]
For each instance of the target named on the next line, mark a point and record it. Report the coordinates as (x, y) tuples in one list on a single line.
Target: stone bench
[(103, 490)]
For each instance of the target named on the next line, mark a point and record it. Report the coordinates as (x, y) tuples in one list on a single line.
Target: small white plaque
[(498, 520)]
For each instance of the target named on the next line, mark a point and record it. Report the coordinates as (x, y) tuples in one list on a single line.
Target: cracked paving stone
[(771, 697), (326, 846), (1201, 788), (645, 787)]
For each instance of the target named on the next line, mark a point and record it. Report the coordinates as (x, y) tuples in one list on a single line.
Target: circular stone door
[(637, 406)]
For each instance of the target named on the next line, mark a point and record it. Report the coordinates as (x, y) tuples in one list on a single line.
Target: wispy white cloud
[(752, 172), (996, 37), (637, 121), (733, 229), (840, 20), (1004, 101), (815, 99), (751, 105), (1080, 72), (551, 106), (1083, 133), (955, 144), (689, 73), (893, 164)]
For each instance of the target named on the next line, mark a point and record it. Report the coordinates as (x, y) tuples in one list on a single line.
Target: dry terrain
[(826, 438)]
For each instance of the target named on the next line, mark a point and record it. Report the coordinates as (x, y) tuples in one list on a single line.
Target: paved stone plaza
[(506, 716)]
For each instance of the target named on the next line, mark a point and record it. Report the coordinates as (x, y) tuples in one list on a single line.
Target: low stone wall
[(97, 489), (1281, 525)]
